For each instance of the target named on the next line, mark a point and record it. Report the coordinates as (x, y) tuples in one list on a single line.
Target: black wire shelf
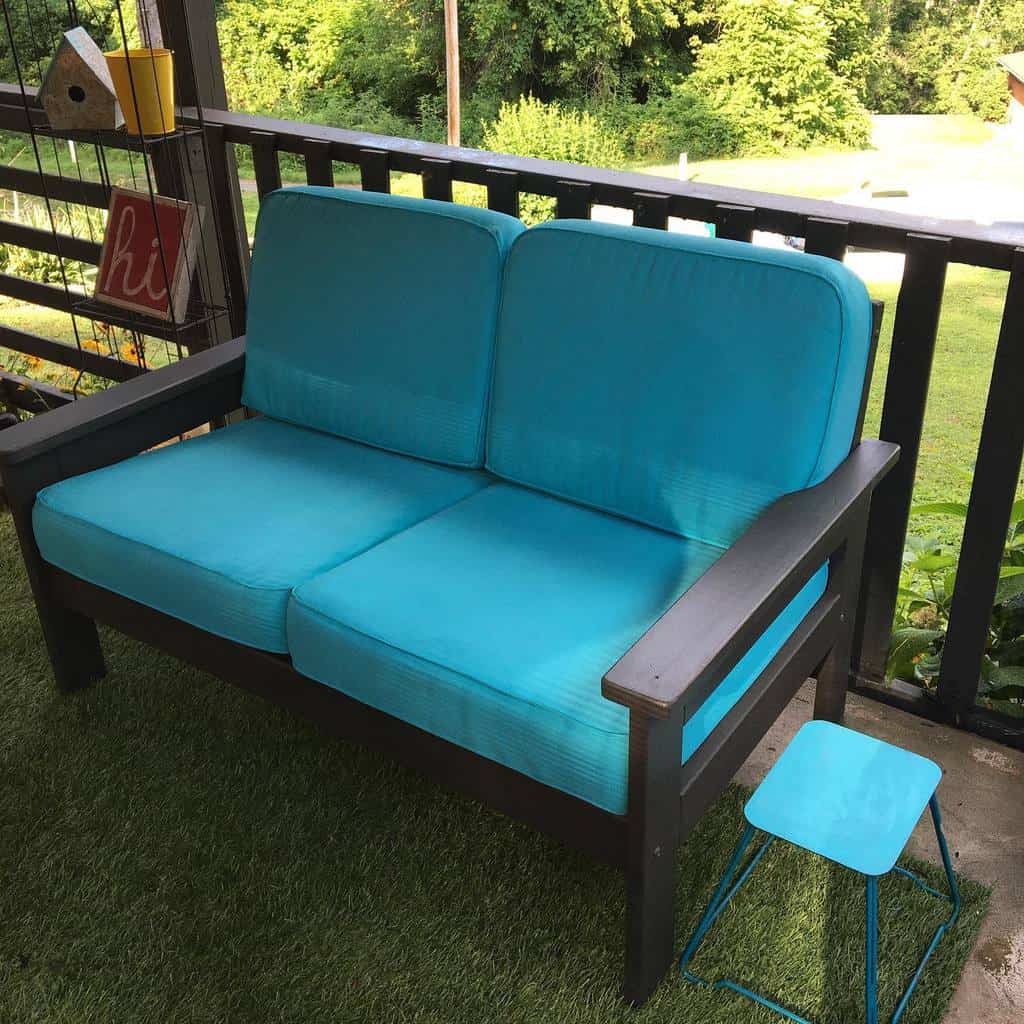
[(115, 138), (194, 327)]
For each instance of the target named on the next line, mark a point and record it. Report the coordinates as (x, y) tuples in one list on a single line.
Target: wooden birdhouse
[(78, 91)]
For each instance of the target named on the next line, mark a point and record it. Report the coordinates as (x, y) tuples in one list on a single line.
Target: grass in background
[(57, 326), (176, 850), (964, 352), (906, 150)]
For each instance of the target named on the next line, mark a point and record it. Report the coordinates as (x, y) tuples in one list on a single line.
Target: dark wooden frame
[(662, 680)]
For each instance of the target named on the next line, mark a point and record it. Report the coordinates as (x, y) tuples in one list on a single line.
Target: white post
[(451, 60)]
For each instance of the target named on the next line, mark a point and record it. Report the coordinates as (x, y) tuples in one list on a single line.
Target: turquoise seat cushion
[(683, 382), (219, 529), (372, 317), (845, 796), (492, 623)]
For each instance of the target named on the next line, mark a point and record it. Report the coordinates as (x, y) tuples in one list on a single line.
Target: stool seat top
[(845, 796)]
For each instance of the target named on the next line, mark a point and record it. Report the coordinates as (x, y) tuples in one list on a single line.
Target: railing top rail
[(886, 230), (978, 245)]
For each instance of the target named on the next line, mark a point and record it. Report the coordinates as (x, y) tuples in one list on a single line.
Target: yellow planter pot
[(144, 82)]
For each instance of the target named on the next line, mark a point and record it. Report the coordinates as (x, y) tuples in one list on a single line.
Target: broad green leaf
[(941, 508), (933, 563), (1017, 512), (1006, 683), (1009, 586), (1010, 652), (906, 645), (915, 545)]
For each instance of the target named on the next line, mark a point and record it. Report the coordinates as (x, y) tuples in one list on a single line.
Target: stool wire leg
[(953, 897), (947, 863), (723, 894), (871, 952), (727, 889)]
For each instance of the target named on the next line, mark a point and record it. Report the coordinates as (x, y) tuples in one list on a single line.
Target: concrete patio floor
[(982, 798)]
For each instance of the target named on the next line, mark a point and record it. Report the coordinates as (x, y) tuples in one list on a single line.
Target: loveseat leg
[(74, 647), (71, 638), (655, 752), (844, 574)]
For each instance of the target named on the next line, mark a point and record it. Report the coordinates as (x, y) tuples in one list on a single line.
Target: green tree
[(546, 130), (858, 41), (37, 27), (769, 71), (942, 56)]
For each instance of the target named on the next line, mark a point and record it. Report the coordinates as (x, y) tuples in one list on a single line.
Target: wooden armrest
[(698, 641), (93, 413)]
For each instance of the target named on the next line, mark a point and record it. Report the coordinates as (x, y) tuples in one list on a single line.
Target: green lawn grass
[(58, 326), (176, 850), (965, 348), (915, 151)]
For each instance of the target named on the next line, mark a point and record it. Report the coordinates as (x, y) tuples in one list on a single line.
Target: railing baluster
[(574, 200), (503, 191), (437, 180), (826, 237), (906, 392), (735, 222), (264, 161), (996, 474), (375, 170), (650, 210), (317, 156)]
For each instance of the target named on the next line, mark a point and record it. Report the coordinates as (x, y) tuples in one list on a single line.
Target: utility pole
[(150, 34), (451, 61)]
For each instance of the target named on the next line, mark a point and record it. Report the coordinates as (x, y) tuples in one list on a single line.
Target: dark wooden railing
[(828, 229)]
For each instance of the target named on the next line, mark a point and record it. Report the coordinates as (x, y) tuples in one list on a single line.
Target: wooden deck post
[(210, 179)]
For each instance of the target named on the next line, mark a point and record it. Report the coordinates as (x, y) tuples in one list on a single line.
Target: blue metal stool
[(854, 800)]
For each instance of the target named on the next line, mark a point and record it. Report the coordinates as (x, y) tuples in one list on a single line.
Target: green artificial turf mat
[(172, 850)]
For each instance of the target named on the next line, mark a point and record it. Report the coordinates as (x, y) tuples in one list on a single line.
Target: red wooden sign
[(149, 252)]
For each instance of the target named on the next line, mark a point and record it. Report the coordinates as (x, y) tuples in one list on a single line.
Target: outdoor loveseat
[(562, 517)]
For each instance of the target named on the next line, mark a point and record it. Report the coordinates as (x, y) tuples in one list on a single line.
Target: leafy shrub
[(974, 89), (551, 132), (365, 113), (276, 51), (44, 266), (927, 585), (942, 58), (665, 126), (768, 73)]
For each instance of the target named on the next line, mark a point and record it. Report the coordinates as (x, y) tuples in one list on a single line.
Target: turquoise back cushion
[(685, 383), (372, 317)]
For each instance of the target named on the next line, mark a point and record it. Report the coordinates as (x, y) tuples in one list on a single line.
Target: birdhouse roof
[(84, 48), (1014, 64)]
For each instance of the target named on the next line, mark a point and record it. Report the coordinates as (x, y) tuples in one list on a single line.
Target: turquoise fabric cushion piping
[(492, 623), (372, 317), (217, 530), (682, 382)]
